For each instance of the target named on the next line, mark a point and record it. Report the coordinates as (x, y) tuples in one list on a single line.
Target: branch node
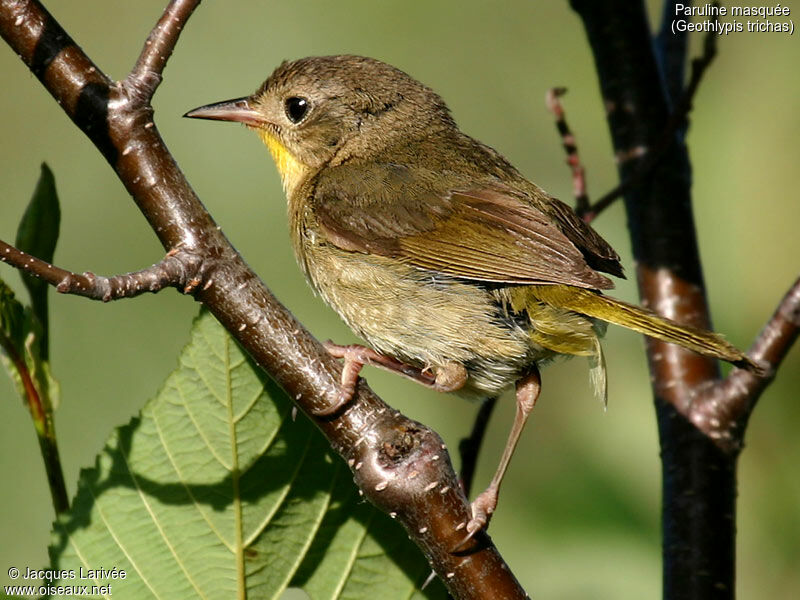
[(146, 75), (180, 268)]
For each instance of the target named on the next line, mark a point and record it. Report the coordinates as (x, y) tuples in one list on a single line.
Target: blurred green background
[(579, 515)]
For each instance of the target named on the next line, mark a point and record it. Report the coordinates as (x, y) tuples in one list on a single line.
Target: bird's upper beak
[(238, 110)]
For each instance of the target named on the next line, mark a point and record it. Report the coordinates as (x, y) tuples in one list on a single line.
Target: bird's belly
[(423, 319)]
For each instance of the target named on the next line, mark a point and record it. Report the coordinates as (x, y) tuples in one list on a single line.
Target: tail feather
[(594, 304), (597, 373)]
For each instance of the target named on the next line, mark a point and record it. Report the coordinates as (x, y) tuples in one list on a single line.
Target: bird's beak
[(238, 110)]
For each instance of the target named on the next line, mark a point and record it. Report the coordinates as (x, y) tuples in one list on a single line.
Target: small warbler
[(458, 271)]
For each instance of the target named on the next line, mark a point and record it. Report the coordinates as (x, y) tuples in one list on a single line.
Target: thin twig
[(552, 99), (675, 123), (178, 269)]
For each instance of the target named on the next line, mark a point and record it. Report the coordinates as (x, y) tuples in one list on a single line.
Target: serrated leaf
[(37, 234), (216, 492)]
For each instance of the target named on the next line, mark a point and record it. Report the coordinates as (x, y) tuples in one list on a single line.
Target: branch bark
[(701, 418), (401, 466), (179, 269), (699, 482), (671, 53)]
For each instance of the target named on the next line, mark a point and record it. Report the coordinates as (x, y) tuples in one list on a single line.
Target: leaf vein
[(182, 480)]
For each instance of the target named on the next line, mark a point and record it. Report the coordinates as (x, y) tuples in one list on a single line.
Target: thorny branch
[(403, 467)]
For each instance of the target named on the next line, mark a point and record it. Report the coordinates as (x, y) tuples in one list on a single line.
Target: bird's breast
[(417, 316)]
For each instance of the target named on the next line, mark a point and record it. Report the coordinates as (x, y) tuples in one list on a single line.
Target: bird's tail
[(595, 305)]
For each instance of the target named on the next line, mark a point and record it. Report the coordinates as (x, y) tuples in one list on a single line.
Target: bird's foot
[(448, 378), (482, 509)]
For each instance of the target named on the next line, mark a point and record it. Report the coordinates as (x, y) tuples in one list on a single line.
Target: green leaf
[(216, 492), (12, 315), (37, 235), (12, 335), (20, 337)]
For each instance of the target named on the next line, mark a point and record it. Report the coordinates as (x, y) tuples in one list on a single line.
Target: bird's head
[(328, 110)]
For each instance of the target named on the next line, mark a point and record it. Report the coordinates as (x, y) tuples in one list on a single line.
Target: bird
[(457, 271)]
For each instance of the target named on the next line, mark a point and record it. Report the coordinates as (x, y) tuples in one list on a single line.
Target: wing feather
[(491, 233)]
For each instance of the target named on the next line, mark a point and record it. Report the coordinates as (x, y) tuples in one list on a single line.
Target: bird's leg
[(528, 388), (448, 378)]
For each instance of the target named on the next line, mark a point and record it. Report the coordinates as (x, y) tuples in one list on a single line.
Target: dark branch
[(722, 411), (780, 332), (671, 48), (698, 476), (676, 124), (469, 448), (701, 419), (400, 465)]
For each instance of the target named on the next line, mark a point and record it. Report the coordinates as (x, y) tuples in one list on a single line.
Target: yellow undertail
[(567, 333)]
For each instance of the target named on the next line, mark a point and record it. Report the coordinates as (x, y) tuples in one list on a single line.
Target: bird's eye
[(296, 108)]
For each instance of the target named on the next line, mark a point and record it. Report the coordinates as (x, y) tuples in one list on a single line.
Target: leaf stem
[(45, 429)]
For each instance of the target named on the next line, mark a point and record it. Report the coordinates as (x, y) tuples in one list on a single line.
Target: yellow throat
[(290, 169)]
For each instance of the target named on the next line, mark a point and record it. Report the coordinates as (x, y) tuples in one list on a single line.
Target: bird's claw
[(482, 509)]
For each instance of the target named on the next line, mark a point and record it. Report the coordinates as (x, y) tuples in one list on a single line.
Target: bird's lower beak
[(238, 110)]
